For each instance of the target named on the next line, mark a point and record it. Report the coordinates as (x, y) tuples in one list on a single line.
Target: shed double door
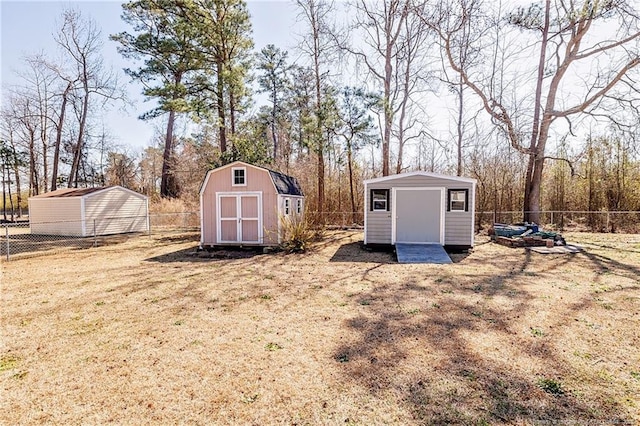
[(240, 218)]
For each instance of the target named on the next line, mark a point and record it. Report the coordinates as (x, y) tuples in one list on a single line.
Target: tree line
[(538, 103)]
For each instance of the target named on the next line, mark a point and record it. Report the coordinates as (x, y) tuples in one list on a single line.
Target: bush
[(298, 233)]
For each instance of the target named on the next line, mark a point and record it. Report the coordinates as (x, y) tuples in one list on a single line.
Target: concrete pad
[(556, 249), (421, 253)]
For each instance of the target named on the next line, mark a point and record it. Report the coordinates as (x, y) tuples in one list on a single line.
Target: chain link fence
[(28, 239), (575, 221), (23, 239), (339, 220)]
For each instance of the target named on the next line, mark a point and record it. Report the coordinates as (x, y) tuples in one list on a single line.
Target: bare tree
[(81, 41), (565, 42), (381, 26)]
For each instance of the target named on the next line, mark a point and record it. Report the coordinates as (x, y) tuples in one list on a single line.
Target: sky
[(27, 28)]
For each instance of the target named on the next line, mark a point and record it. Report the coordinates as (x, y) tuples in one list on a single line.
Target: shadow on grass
[(444, 362), (355, 252), (606, 264)]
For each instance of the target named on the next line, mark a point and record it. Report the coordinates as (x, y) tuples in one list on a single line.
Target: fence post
[(607, 227), (95, 238), (6, 235), (552, 224)]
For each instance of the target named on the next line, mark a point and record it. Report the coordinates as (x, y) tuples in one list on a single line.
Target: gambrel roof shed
[(243, 204)]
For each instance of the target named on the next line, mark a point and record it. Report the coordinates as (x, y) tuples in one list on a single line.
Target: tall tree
[(594, 42), (463, 19), (356, 129), (224, 36), (166, 39), (273, 63), (40, 86), (317, 45)]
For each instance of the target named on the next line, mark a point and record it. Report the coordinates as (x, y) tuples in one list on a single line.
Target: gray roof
[(285, 184)]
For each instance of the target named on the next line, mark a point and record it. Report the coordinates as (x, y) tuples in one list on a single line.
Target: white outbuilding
[(420, 208), (82, 212)]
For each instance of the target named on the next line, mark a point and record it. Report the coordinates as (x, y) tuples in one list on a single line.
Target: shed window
[(299, 206), (458, 200), (379, 200), (287, 206), (239, 176)]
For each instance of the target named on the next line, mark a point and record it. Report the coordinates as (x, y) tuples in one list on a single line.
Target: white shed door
[(239, 218), (418, 215)]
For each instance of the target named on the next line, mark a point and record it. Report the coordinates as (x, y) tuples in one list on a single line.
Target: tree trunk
[(319, 137), (351, 192), (77, 152), (388, 113), (274, 135), (16, 172), (533, 179), (4, 185), (401, 141), (168, 187), (222, 125), (56, 148), (459, 127), (33, 171), (10, 194), (45, 162)]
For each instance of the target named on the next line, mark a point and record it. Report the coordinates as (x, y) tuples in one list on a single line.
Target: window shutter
[(466, 200)]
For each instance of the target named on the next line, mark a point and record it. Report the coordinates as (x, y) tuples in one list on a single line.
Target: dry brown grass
[(143, 332)]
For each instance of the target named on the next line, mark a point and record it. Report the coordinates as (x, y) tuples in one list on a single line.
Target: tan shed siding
[(56, 216), (457, 230), (115, 211), (220, 180)]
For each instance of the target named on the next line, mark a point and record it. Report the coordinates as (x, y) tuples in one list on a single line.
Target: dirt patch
[(147, 331)]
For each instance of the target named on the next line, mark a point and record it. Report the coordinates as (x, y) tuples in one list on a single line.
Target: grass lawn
[(146, 332)]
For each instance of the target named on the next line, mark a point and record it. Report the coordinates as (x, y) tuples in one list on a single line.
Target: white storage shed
[(420, 208), (82, 212)]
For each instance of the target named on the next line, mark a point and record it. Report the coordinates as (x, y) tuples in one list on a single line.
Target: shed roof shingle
[(285, 184)]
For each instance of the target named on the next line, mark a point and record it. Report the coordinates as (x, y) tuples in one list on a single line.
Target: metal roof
[(419, 173), (81, 192), (70, 192)]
